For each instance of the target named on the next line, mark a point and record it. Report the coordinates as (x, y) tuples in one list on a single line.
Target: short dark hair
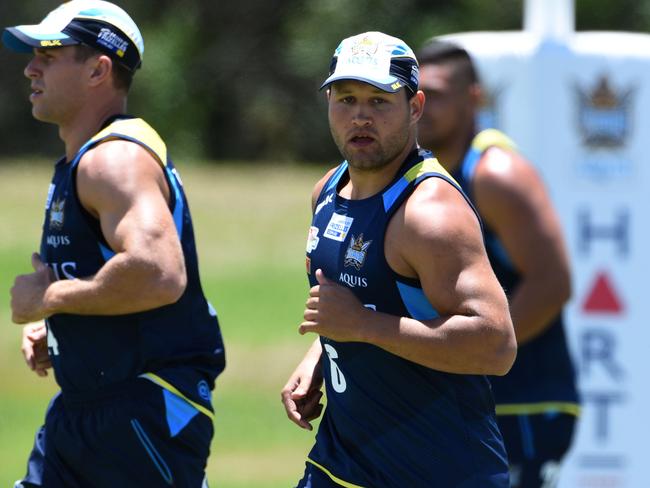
[(122, 76), (437, 51)]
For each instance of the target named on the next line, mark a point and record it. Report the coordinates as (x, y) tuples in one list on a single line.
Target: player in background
[(409, 314), (134, 344), (536, 402)]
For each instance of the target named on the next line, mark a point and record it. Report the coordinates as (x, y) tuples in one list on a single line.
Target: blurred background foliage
[(239, 80)]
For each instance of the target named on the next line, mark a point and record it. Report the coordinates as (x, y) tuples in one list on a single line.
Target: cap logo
[(54, 43), (363, 51), (374, 58), (364, 47), (112, 41)]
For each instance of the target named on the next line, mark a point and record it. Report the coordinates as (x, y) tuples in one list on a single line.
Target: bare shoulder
[(438, 211), (117, 170), (502, 173), (318, 188), (119, 157), (435, 223), (508, 189)]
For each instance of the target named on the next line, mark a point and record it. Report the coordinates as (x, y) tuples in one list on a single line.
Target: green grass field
[(251, 224)]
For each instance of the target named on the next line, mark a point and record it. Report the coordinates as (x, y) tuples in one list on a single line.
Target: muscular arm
[(436, 238), (122, 185), (512, 200)]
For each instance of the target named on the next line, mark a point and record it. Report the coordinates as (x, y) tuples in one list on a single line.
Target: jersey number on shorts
[(338, 380), (550, 474), (52, 343)]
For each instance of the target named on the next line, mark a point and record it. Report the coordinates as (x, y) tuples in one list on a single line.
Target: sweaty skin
[(509, 195), (473, 334), (129, 197), (118, 182)]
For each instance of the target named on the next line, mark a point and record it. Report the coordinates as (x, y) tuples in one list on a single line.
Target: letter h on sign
[(618, 232)]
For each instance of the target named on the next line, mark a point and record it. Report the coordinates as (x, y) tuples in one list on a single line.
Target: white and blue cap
[(375, 58), (96, 23)]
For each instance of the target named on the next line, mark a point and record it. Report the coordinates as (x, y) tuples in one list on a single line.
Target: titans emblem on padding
[(355, 255)]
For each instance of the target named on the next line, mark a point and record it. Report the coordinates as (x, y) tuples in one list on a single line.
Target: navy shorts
[(140, 436), (536, 445), (315, 478)]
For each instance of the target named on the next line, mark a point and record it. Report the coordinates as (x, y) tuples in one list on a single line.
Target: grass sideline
[(250, 223)]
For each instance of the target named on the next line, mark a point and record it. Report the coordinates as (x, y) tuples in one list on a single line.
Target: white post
[(578, 105), (550, 19)]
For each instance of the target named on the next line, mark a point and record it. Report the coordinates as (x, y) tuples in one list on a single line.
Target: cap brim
[(390, 85), (24, 38)]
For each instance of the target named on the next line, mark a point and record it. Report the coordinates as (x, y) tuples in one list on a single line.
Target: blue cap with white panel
[(96, 23)]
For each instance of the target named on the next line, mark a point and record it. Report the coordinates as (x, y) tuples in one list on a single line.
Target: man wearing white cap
[(409, 314), (133, 342)]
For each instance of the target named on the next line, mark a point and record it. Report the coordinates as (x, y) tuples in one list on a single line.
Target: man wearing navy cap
[(134, 344), (409, 314)]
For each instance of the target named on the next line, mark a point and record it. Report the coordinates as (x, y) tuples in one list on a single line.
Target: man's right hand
[(34, 348), (302, 393), (28, 293)]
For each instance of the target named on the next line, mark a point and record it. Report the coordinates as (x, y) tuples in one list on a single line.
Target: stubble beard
[(373, 158)]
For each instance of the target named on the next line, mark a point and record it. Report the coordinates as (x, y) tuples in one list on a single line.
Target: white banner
[(578, 105)]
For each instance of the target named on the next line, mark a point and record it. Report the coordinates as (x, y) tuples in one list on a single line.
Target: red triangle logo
[(602, 298)]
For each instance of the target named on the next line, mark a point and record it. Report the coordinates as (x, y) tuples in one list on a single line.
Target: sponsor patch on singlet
[(338, 227)]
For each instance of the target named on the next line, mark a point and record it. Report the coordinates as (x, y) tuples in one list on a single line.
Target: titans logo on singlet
[(390, 422), (542, 378), (177, 346)]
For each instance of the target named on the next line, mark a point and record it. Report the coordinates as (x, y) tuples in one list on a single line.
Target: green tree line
[(239, 80)]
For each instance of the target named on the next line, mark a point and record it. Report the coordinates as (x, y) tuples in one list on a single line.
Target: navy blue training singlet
[(178, 346), (542, 378), (390, 422)]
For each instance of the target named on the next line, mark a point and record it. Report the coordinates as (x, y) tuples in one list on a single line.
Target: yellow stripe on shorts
[(538, 408), (341, 482), (171, 388)]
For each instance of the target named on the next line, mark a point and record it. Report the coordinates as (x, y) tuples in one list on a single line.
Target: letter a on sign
[(602, 298)]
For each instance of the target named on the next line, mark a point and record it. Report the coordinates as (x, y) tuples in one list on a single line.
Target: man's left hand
[(334, 311)]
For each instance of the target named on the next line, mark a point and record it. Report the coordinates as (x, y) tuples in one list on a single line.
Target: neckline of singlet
[(405, 166), (106, 123)]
